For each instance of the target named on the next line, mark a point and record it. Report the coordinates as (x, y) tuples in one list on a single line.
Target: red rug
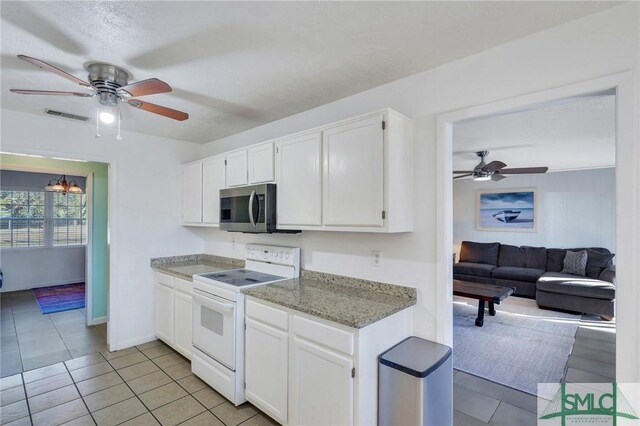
[(59, 298)]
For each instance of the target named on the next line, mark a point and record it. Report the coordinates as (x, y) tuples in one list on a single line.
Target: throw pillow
[(575, 262), (596, 262)]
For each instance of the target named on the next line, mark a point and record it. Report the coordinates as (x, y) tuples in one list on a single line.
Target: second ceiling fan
[(495, 170)]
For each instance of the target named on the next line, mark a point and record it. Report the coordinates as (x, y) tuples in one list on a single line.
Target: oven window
[(236, 209), (211, 320)]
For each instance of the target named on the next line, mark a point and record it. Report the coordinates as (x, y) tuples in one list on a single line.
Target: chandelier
[(61, 185)]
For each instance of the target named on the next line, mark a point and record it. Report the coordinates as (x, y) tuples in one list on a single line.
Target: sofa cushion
[(477, 269), (555, 259), (479, 252), (523, 257), (575, 262), (516, 273), (561, 283), (597, 262)]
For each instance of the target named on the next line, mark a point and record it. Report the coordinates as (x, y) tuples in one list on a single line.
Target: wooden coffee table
[(493, 294)]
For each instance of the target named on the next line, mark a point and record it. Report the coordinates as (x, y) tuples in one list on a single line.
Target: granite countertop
[(186, 266), (348, 301)]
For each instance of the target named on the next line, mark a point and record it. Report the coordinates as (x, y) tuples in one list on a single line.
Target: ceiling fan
[(495, 170), (110, 84)]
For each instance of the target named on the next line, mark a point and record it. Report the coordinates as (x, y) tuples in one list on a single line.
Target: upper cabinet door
[(213, 180), (353, 186), (299, 180), (260, 162), (236, 170), (192, 193)]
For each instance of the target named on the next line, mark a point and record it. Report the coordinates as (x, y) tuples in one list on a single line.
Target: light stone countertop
[(186, 266), (348, 301)]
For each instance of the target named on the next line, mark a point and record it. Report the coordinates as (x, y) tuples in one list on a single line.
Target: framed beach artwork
[(507, 210)]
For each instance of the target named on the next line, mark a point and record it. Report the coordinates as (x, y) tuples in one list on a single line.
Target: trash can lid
[(415, 356)]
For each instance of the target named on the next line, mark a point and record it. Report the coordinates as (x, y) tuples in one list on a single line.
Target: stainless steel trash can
[(415, 384)]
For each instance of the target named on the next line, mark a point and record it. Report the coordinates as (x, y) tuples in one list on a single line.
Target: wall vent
[(66, 115)]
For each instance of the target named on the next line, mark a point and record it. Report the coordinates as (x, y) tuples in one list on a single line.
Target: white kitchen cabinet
[(182, 303), (173, 312), (321, 385), (266, 368), (213, 180), (332, 369), (299, 180), (260, 163), (192, 193), (353, 172), (236, 168), (164, 308)]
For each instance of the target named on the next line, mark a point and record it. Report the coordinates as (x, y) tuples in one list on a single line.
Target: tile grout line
[(26, 398), (78, 390), (132, 391)]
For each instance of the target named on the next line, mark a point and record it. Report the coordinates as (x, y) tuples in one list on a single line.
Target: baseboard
[(96, 321), (133, 342), (7, 287)]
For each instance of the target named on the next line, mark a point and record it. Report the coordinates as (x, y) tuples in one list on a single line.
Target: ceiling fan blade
[(158, 109), (524, 170), (145, 87), (494, 166), (455, 172), (51, 92), (55, 70), (458, 177), (497, 176)]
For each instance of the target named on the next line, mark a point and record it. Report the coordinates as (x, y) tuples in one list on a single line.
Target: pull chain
[(97, 123), (118, 136)]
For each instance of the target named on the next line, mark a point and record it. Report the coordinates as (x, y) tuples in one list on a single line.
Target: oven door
[(214, 327)]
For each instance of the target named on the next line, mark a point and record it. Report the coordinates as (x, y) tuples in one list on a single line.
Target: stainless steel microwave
[(250, 209)]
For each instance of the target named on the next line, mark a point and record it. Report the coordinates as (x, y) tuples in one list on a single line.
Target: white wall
[(32, 267), (144, 186), (575, 209), (590, 47)]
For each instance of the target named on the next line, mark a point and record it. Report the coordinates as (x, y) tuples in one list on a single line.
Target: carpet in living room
[(519, 347)]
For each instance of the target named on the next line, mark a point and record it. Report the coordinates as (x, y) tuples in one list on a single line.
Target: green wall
[(100, 248)]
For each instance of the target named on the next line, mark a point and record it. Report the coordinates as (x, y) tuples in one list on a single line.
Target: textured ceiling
[(576, 133), (237, 65)]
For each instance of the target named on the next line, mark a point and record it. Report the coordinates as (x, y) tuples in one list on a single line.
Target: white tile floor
[(31, 339)]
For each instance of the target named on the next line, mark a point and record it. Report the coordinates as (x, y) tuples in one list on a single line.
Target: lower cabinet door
[(164, 313), (266, 365), (182, 323), (322, 386)]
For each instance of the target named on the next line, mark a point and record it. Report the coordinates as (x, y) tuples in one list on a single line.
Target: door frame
[(627, 208)]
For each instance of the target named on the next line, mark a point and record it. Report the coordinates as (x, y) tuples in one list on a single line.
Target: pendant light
[(61, 185)]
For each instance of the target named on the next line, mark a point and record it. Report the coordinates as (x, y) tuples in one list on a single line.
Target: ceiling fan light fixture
[(482, 178), (107, 117)]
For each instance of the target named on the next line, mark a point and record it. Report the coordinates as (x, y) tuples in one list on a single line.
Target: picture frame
[(509, 210)]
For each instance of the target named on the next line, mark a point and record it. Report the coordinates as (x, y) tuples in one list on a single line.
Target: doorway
[(627, 235), (73, 265)]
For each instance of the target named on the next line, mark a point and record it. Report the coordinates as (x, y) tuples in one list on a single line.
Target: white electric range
[(218, 315)]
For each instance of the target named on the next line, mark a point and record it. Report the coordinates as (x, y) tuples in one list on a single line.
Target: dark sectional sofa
[(536, 272)]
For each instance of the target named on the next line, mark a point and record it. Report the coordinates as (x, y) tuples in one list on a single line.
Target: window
[(42, 219)]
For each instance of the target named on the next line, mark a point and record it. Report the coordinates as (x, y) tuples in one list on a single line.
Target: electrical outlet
[(377, 258), (233, 243)]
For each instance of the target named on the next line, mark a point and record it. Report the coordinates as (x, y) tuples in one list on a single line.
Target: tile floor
[(151, 384), (480, 402), (31, 340), (148, 384)]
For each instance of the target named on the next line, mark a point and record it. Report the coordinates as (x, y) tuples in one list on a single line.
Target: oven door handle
[(208, 301), (251, 197)]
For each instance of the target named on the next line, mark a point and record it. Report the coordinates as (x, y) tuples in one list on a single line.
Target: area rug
[(59, 298), (519, 347)]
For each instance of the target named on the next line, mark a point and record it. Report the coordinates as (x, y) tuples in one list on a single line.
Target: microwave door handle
[(251, 197)]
